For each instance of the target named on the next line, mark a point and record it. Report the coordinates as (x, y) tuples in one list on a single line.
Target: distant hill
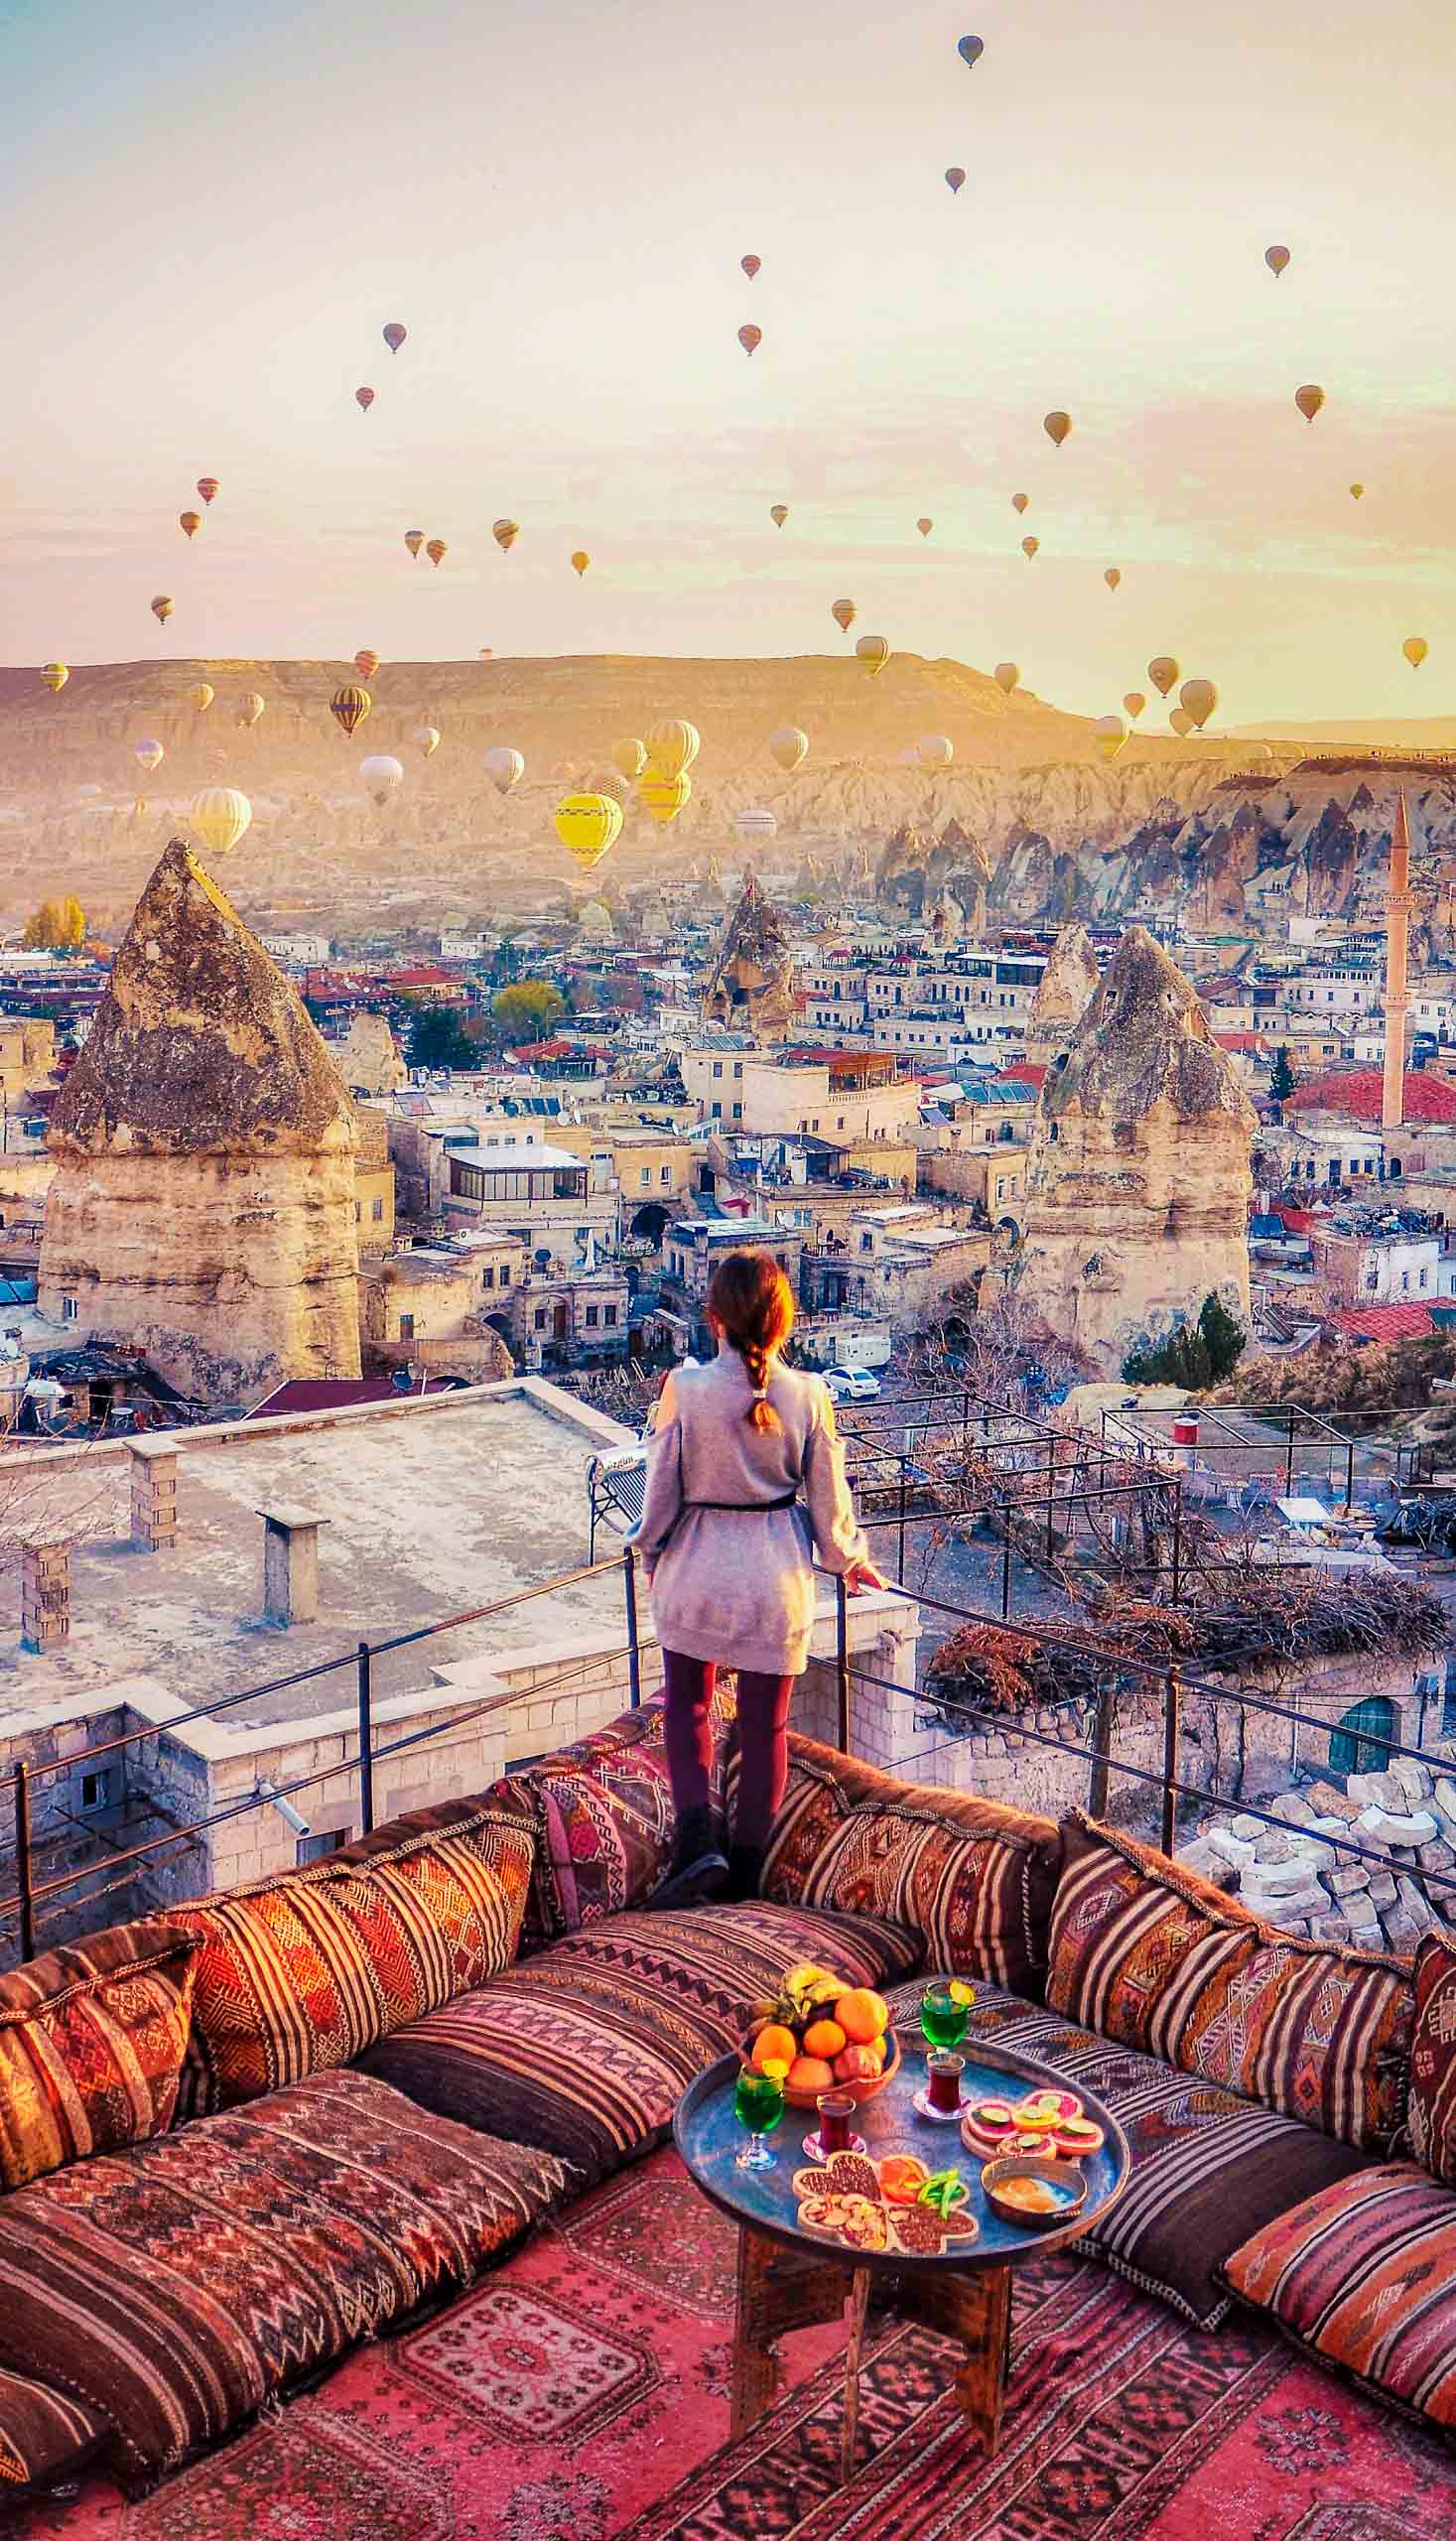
[(1386, 732)]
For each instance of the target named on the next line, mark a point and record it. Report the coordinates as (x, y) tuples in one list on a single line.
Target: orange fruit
[(774, 2043), (824, 2038), (901, 2178), (810, 2073), (861, 2014)]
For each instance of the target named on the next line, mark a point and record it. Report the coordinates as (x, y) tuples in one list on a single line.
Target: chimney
[(45, 1596), (291, 1565), (153, 1495)]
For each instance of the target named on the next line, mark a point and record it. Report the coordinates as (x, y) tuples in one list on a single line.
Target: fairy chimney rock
[(202, 1206), (750, 986), (1139, 1177), (1066, 988)]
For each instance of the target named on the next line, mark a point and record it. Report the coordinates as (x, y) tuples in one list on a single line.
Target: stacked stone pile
[(1296, 1879)]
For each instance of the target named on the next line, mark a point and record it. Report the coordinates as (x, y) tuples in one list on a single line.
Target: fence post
[(21, 1780), (634, 1645), (842, 1657), (1177, 1535), (1005, 1560), (1349, 1475), (1172, 1725), (1051, 1493), (1104, 1722), (900, 1573), (366, 1741), (1289, 1459)]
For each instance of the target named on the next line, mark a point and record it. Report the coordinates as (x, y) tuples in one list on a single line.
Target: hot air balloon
[(1113, 577), (250, 709), (1007, 677), (778, 514), (206, 487), (925, 527), (750, 338), (394, 334), (873, 651), (218, 817), (1309, 402), (1415, 649), (426, 740), (364, 399), (381, 777), (414, 541), (1056, 425), (1198, 697), (1109, 733), (588, 825), (54, 676), (579, 559), (1029, 547), (970, 49), (662, 794), (505, 767), (1133, 702), (672, 745), (954, 179), (1276, 258), (1182, 722), (349, 706), (789, 746), (750, 265), (1356, 491), (162, 608), (934, 751), (149, 755), (1020, 503), (437, 551), (201, 697), (609, 780), (189, 523), (629, 757), (506, 533), (844, 614), (1162, 670), (366, 663)]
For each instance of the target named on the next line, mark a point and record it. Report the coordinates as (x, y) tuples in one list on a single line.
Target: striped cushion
[(172, 2290), (588, 2046), (606, 1822), (972, 1878), (91, 2046), (1430, 2117), (304, 1972), (1364, 2276), (1208, 2167), (1145, 1953), (43, 2434)]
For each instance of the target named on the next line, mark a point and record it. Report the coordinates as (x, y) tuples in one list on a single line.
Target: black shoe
[(744, 1873), (698, 1869)]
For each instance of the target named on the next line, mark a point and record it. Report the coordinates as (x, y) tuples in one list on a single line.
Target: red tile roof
[(336, 1393), (1239, 1040), (1025, 1072), (1357, 1093), (1385, 1323)]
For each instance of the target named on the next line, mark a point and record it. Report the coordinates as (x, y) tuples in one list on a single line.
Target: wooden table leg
[(858, 2306), (779, 2289), (973, 2307)]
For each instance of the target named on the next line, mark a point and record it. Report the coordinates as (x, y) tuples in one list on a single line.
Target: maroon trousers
[(763, 1744)]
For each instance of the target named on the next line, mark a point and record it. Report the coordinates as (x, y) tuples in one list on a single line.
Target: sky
[(209, 215)]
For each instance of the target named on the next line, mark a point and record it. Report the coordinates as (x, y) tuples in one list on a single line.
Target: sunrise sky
[(210, 212)]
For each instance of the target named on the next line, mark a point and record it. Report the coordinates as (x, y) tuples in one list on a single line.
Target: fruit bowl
[(860, 2091)]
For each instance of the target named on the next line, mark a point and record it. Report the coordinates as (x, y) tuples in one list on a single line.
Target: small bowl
[(859, 2091), (1062, 2175)]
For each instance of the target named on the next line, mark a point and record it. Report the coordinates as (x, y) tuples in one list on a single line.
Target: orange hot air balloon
[(1415, 649), (1029, 547), (1007, 677), (206, 487), (1162, 670), (1113, 577), (1309, 401), (364, 399), (189, 523), (1020, 503), (394, 334), (1198, 698), (579, 559), (925, 527), (1182, 722), (873, 651), (414, 540), (750, 265), (1276, 258), (437, 551), (750, 338), (162, 608), (844, 614), (506, 533), (349, 706), (778, 514), (366, 663), (1056, 427), (1133, 702), (954, 179)]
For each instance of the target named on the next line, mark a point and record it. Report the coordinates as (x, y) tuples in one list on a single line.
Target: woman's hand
[(861, 1576)]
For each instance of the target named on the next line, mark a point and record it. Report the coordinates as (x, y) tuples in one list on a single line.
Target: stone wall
[(1296, 1877)]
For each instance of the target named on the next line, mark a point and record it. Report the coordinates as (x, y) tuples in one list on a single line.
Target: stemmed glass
[(758, 2105), (945, 2011)]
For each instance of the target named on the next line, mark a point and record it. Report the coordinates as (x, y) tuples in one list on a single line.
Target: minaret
[(1398, 936)]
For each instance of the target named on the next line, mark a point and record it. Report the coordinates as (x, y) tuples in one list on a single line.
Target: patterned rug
[(581, 2394)]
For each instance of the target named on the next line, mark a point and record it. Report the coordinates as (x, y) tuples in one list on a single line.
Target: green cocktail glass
[(945, 2012), (758, 2104)]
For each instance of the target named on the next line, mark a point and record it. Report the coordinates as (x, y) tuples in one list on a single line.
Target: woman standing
[(746, 1489)]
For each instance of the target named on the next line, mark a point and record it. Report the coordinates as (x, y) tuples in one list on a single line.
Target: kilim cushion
[(91, 2045), (1208, 2167), (304, 1972), (972, 1878), (1146, 1953), (171, 2290), (605, 1820), (41, 2433), (1430, 2115), (588, 2046), (1364, 2276)]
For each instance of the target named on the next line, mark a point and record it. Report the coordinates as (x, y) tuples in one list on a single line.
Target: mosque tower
[(1397, 943)]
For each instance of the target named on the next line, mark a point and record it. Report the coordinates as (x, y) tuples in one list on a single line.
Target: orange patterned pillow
[(307, 1970), (91, 2045)]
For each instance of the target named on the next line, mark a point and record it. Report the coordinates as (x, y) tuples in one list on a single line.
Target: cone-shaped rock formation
[(750, 986), (1064, 991)]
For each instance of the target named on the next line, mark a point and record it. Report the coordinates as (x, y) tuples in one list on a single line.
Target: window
[(541, 1319), (69, 1310), (505, 1274), (358, 1213), (407, 1327), (718, 1067), (1361, 1744), (488, 1279), (1405, 1279), (376, 1211), (1421, 1282), (313, 1848), (591, 1318), (716, 1112), (96, 1790), (738, 1111), (608, 1316), (644, 1178), (866, 1243)]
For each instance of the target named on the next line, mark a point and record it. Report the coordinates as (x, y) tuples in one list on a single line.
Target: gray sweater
[(735, 1583)]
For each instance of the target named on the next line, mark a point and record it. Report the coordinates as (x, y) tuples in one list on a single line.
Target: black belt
[(746, 1508)]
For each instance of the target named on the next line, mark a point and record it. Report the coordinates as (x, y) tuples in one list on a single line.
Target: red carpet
[(581, 2395)]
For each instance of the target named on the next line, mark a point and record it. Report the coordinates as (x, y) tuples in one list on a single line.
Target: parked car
[(853, 1385)]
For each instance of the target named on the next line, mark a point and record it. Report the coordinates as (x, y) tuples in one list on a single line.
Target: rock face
[(1138, 1175), (203, 1204), (750, 986), (370, 1060), (1067, 988)]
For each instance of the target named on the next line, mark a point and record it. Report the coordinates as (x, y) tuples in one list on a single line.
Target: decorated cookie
[(853, 2175), (813, 2183)]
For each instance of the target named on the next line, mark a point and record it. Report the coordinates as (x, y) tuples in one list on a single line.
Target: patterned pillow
[(43, 2435), (1146, 1952), (975, 1879), (1363, 2275), (91, 2047), (605, 1820), (306, 1971), (1430, 2117)]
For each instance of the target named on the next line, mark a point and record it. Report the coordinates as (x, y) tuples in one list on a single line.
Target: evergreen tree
[(1193, 1355), (1282, 1080), (439, 1040), (1222, 1337)]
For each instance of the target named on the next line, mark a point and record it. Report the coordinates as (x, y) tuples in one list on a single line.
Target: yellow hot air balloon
[(1198, 698), (1356, 491), (1007, 677), (426, 740), (1109, 733), (925, 527), (506, 533), (1415, 649), (189, 523), (1056, 427), (1020, 503), (1309, 402), (778, 514), (1182, 722), (250, 709), (1133, 702), (630, 757), (579, 559), (162, 608), (1029, 547), (1113, 577), (588, 825), (54, 676), (789, 746), (662, 793), (672, 745), (349, 706), (873, 651), (437, 551), (218, 817), (1162, 670), (201, 697), (843, 613)]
